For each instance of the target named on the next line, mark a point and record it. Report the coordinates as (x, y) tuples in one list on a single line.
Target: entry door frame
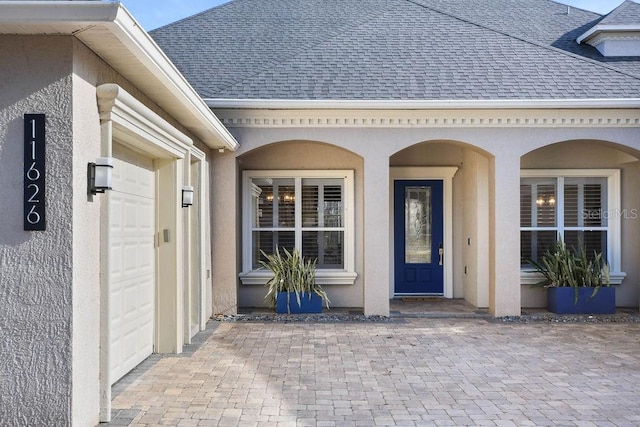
[(436, 173)]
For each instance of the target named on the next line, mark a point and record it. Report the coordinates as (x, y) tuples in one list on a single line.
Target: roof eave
[(604, 28), (152, 64), (284, 104)]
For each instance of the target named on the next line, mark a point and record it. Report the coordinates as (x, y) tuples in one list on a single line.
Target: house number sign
[(34, 172)]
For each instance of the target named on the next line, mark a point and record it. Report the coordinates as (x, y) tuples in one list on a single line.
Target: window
[(579, 206), (309, 210)]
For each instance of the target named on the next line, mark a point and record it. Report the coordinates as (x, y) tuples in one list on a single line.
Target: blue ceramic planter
[(562, 301), (286, 302)]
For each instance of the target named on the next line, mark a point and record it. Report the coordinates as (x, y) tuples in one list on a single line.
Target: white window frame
[(614, 244), (344, 276)]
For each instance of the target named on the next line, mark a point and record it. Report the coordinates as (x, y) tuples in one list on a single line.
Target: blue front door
[(418, 237)]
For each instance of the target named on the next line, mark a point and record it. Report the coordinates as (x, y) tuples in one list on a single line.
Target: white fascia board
[(147, 51), (75, 12), (606, 29), (284, 104), (116, 19)]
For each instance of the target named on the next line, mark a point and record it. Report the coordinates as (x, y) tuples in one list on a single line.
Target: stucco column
[(504, 289), (224, 226), (376, 234)]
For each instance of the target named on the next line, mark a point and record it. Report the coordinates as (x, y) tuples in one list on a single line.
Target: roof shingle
[(394, 49)]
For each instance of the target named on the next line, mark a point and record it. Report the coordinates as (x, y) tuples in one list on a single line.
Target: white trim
[(117, 105), (453, 104), (199, 157), (129, 121), (157, 62), (446, 174), (614, 238), (107, 28), (528, 277), (600, 28), (403, 118), (346, 276), (323, 277), (86, 12)]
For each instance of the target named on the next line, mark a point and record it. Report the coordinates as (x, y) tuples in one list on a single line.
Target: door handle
[(440, 254)]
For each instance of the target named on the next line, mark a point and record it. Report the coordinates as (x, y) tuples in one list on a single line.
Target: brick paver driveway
[(414, 372)]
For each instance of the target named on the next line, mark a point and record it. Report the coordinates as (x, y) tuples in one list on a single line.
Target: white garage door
[(132, 261)]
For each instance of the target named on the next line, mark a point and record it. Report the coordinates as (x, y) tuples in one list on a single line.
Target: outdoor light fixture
[(99, 174), (187, 196)]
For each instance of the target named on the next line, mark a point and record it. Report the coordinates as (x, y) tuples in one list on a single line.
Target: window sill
[(260, 277), (533, 277)]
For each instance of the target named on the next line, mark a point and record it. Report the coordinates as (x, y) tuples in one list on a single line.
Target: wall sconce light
[(100, 175), (187, 196)]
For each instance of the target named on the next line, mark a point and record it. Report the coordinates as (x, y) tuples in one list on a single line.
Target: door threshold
[(418, 298)]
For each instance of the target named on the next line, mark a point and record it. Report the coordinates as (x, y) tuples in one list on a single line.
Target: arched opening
[(464, 173), (305, 195), (585, 192)]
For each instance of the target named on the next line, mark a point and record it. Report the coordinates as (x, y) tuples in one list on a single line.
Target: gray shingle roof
[(394, 49), (625, 14)]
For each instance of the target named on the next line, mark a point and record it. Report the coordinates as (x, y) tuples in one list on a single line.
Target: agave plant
[(291, 273), (564, 267)]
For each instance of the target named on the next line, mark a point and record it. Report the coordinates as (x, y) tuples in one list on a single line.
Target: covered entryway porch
[(439, 212)]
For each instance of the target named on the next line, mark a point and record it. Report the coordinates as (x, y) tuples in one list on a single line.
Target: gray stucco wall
[(86, 237), (50, 280), (35, 266)]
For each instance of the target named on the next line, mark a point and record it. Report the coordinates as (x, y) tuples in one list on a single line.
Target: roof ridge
[(526, 40), (615, 12)]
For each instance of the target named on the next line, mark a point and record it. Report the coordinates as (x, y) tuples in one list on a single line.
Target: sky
[(152, 14)]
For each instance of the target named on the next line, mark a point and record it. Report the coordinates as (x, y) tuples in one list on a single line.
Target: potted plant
[(576, 284), (293, 288)]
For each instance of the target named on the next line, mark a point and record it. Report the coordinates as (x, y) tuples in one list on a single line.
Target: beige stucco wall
[(489, 182), (225, 233), (470, 212), (311, 155), (599, 155), (475, 225)]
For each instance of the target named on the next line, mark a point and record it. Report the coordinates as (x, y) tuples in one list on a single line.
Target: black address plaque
[(34, 172)]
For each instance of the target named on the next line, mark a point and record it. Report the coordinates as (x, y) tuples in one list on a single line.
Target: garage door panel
[(116, 257), (132, 261)]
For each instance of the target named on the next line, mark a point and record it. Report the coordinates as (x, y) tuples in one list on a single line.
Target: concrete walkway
[(408, 371)]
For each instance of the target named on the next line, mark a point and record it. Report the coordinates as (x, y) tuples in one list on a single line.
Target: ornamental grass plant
[(292, 274), (571, 267)]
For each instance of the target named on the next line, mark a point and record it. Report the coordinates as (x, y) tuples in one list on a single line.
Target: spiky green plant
[(564, 267), (291, 273)]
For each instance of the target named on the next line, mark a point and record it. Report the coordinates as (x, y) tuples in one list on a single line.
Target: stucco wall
[(502, 144), (311, 155), (86, 242), (470, 211), (475, 236), (441, 153), (599, 155), (50, 281), (36, 266)]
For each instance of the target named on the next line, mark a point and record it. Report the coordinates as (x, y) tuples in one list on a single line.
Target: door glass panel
[(417, 213)]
